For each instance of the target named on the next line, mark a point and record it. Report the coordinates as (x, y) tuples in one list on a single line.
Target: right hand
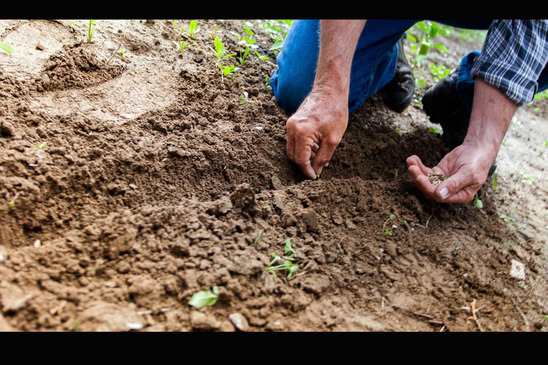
[(316, 129)]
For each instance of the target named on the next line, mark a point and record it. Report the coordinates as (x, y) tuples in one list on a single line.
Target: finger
[(302, 159), (459, 188), (290, 144), (422, 182), (416, 161), (325, 152)]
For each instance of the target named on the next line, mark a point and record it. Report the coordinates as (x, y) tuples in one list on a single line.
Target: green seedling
[(90, 31), (181, 45), (42, 145), (439, 71), (204, 298), (285, 262), (11, 203), (193, 28), (277, 30), (388, 231), (220, 54), (258, 238), (495, 182), (477, 202), (434, 130), (6, 47), (422, 45), (505, 218)]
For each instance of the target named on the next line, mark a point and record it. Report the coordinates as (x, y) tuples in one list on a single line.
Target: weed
[(285, 262), (204, 298), (495, 182)]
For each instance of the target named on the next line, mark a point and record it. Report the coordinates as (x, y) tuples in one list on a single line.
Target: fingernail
[(444, 192)]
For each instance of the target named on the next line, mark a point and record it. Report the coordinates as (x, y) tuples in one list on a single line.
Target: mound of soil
[(133, 175)]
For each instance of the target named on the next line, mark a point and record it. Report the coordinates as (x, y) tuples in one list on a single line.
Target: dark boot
[(398, 93)]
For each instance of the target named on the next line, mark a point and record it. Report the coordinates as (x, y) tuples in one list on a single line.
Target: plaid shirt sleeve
[(514, 54)]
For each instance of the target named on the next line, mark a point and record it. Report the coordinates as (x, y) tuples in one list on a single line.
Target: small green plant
[(506, 218), (477, 202), (220, 54), (90, 30), (495, 182), (277, 30), (434, 130), (388, 231), (285, 262), (181, 45), (193, 28), (6, 47), (257, 239), (11, 203), (439, 71), (204, 298), (427, 31)]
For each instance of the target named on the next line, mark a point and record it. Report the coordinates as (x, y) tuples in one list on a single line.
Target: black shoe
[(442, 104), (398, 93)]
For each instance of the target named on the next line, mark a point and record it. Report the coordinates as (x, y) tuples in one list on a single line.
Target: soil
[(130, 182)]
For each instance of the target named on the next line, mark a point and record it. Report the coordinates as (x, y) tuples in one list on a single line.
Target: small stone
[(204, 322), (239, 321), (517, 270)]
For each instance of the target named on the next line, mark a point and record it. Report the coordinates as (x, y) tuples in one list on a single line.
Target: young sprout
[(6, 47), (89, 33), (193, 28), (11, 203), (477, 202), (204, 298), (388, 231), (284, 263), (219, 52)]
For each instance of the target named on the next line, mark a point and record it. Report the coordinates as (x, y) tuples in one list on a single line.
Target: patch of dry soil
[(127, 184)]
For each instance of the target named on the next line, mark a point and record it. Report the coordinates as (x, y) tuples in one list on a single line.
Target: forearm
[(491, 115), (338, 41)]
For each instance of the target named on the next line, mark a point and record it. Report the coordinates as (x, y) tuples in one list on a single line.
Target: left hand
[(466, 168)]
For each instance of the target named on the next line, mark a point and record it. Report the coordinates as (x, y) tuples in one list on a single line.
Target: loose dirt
[(129, 183)]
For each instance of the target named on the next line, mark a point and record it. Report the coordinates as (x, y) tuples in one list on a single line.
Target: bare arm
[(317, 127)]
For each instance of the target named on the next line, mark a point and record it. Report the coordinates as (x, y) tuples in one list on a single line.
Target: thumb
[(455, 189)]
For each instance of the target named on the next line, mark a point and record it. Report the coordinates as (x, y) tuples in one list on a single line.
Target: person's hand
[(316, 129), (465, 168)]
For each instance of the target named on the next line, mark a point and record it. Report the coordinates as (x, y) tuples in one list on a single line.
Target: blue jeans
[(373, 66)]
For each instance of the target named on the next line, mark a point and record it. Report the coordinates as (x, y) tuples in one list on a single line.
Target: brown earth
[(127, 184)]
